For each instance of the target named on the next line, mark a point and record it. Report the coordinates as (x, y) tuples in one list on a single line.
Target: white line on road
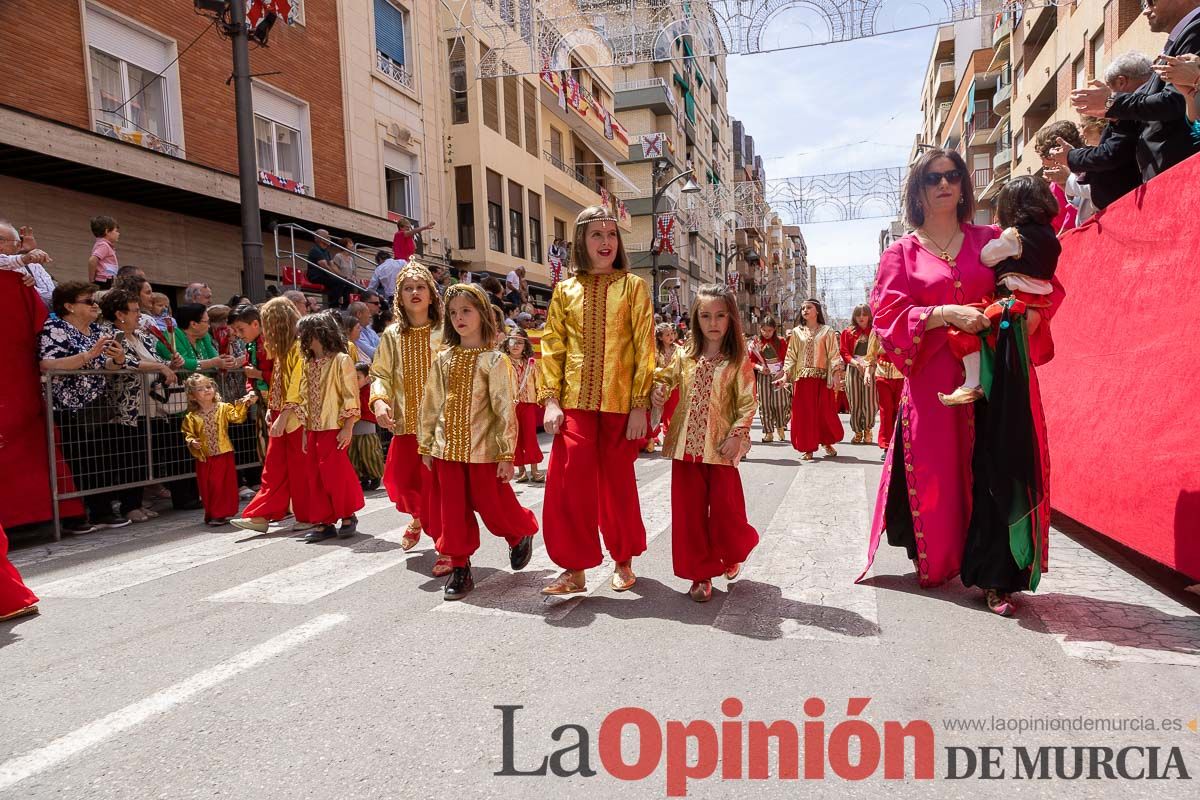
[(154, 566), (519, 593), (799, 583), (18, 769)]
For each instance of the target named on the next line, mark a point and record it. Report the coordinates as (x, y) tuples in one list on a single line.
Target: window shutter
[(489, 86), (389, 31), (112, 36), (512, 110), (531, 128)]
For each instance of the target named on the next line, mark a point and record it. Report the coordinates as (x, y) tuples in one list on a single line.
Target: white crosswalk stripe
[(799, 583), (518, 594), (152, 567)]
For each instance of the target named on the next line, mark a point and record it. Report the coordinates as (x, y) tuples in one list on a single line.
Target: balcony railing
[(573, 171), (397, 72), (981, 178), (139, 137)]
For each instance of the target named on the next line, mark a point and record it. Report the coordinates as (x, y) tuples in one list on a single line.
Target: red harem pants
[(217, 478), (406, 479), (460, 490), (709, 531), (528, 450), (335, 491), (815, 420), (888, 390), (14, 594), (590, 486), (285, 480)]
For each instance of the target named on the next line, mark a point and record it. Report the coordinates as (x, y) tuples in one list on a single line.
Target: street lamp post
[(253, 279), (660, 169)]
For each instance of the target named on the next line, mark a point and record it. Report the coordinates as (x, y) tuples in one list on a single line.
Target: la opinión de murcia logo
[(853, 749)]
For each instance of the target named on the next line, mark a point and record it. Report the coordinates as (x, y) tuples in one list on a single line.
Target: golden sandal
[(565, 583), (618, 581)]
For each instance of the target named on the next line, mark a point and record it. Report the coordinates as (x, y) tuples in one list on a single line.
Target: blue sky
[(805, 107)]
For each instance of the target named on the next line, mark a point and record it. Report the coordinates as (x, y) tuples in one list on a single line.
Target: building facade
[(126, 111)]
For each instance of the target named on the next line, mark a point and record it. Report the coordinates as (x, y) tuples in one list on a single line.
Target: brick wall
[(52, 82)]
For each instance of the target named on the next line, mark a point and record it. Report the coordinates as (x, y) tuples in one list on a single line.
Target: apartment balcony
[(396, 71), (980, 128), (652, 93), (573, 187), (943, 79), (943, 46), (1002, 32), (980, 178), (641, 256), (1003, 157), (670, 149), (585, 124), (1002, 99)]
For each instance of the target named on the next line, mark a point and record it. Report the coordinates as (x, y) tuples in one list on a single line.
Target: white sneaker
[(248, 524)]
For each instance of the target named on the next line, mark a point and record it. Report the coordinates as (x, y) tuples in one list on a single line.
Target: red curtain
[(1121, 396)]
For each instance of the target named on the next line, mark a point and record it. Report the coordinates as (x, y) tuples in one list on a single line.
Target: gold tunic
[(286, 374), (326, 394), (813, 354), (211, 430), (527, 381), (399, 370), (716, 401), (469, 413), (598, 345), (884, 368)]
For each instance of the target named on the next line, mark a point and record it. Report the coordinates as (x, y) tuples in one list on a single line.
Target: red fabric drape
[(1120, 395), (24, 470)]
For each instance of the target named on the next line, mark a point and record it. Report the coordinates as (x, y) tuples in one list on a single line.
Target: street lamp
[(690, 186)]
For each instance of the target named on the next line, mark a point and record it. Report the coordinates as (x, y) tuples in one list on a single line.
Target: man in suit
[(1159, 109), (1110, 168)]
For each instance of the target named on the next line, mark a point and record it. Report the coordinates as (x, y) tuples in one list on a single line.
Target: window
[(535, 227), (1080, 73), (516, 220), (391, 42), (130, 99), (1098, 54), (560, 230), (495, 200), (556, 145), (281, 138), (458, 82), (399, 201), (531, 129), (491, 101), (512, 109), (279, 149), (465, 198)]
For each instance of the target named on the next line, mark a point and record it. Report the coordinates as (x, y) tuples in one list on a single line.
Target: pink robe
[(938, 440)]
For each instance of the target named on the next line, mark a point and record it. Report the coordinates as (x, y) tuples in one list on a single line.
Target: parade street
[(174, 661)]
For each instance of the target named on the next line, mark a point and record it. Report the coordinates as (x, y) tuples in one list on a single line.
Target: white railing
[(647, 83), (397, 72)]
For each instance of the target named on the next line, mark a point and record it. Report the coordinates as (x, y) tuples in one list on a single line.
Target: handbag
[(171, 399)]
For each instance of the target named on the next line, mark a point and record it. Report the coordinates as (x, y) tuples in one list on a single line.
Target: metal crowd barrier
[(107, 453)]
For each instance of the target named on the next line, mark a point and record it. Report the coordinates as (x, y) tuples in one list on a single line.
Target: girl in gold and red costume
[(860, 394), (767, 352), (467, 437), (326, 401), (597, 367), (285, 476), (708, 437), (399, 370), (528, 452), (889, 383), (815, 368), (664, 351)]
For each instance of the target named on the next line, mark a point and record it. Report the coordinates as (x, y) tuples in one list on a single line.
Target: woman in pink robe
[(924, 283)]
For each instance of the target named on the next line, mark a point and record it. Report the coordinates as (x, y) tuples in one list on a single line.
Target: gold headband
[(608, 218)]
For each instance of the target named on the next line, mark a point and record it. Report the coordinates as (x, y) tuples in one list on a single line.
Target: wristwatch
[(1108, 104)]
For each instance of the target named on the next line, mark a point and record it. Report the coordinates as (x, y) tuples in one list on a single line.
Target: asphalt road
[(172, 661)]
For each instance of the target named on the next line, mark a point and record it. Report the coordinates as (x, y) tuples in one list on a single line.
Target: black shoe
[(348, 528), (111, 521), (320, 534), (460, 583), (77, 527), (371, 484), (520, 553)]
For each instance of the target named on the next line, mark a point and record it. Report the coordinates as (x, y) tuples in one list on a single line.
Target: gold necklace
[(945, 254)]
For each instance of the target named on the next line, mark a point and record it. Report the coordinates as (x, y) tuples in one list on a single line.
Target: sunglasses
[(952, 176), (87, 301)]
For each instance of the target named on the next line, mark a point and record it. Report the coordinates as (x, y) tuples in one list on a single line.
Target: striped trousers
[(774, 403), (860, 393)]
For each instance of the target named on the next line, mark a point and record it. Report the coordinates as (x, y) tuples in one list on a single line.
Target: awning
[(616, 173)]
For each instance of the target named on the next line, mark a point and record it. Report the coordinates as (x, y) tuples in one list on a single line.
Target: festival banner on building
[(664, 233), (287, 184), (652, 144)]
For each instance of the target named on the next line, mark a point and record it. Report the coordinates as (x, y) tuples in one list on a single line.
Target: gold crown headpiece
[(605, 218)]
